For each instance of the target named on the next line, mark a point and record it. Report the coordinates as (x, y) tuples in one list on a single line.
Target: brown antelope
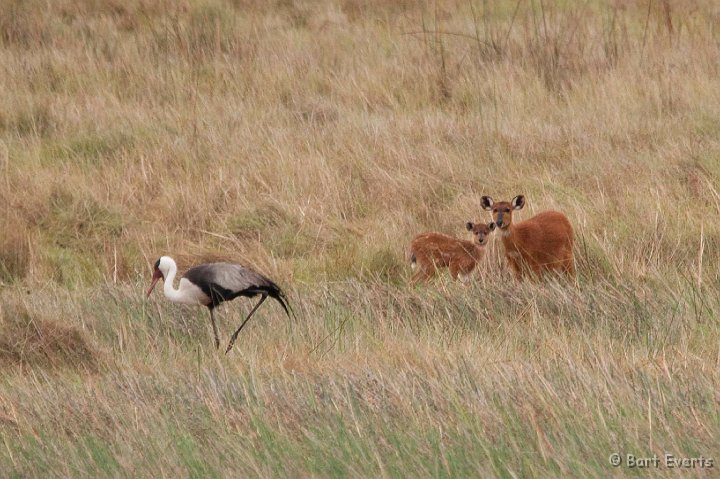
[(430, 251), (539, 244)]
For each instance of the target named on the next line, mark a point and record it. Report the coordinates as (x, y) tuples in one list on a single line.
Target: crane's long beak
[(156, 277)]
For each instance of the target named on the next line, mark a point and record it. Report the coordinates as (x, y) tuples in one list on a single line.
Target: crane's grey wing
[(238, 278), (227, 276), (225, 281)]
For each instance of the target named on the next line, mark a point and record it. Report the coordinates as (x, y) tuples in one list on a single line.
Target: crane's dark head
[(157, 275)]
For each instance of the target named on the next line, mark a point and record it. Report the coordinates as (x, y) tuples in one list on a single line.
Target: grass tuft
[(28, 341)]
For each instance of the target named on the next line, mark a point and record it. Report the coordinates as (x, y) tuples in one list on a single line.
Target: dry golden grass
[(27, 341), (313, 140)]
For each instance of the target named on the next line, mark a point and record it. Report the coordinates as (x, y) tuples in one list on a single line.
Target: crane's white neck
[(169, 270)]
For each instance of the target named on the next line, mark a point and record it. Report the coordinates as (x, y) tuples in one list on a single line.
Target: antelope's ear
[(518, 202), (486, 202), (469, 226), (491, 225)]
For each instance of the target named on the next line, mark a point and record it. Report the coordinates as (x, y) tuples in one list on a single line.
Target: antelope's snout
[(502, 217)]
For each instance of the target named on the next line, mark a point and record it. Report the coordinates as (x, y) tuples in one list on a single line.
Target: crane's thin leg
[(215, 330), (234, 336)]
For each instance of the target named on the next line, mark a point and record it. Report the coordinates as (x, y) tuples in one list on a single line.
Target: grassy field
[(312, 141)]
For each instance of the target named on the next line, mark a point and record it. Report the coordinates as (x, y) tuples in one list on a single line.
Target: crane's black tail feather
[(274, 292)]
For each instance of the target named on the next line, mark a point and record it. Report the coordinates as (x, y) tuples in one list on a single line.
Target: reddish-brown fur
[(430, 251), (537, 245)]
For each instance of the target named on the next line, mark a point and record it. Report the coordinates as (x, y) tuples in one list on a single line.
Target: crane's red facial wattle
[(157, 275)]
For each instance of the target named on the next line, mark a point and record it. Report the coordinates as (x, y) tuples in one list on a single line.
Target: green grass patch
[(88, 150)]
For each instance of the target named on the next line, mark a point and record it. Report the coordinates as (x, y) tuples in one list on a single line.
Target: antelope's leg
[(423, 274)]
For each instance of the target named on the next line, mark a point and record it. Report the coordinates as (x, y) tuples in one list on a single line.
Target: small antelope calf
[(539, 244), (430, 251)]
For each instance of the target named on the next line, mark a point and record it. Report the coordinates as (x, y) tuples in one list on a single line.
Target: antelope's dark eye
[(507, 210), (495, 210)]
